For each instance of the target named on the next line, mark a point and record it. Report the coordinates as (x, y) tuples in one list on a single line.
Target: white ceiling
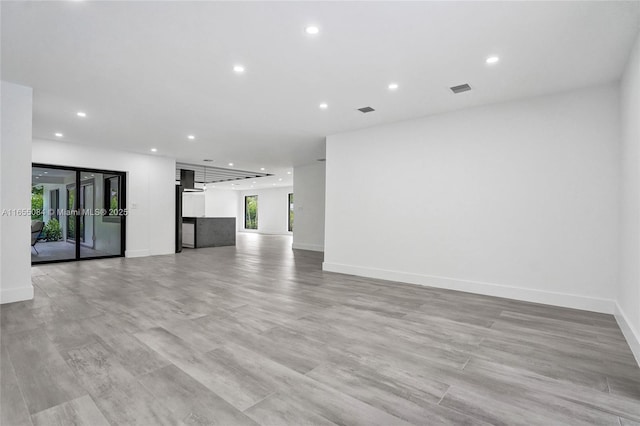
[(150, 73)]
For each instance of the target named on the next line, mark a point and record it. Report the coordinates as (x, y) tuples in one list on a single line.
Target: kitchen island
[(198, 232)]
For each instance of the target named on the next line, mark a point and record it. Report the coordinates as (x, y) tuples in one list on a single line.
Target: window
[(54, 203), (112, 199), (251, 212), (37, 202), (290, 212)]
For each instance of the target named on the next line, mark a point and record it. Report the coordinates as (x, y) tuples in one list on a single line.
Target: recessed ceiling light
[(154, 149), (191, 137), (313, 30), (48, 172), (81, 114), (230, 164), (37, 177), (492, 60), (59, 135), (262, 169), (288, 173), (238, 69), (323, 106), (393, 86), (280, 180)]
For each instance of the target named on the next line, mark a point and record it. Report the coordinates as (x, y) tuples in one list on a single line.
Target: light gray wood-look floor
[(258, 334)]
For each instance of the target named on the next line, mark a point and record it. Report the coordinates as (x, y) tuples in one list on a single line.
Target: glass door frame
[(76, 207)]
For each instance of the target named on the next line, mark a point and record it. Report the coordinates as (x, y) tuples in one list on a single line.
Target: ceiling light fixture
[(154, 149), (81, 114), (191, 137), (492, 60), (238, 69), (312, 30), (59, 135), (262, 169), (230, 164), (393, 86), (288, 173), (323, 106)]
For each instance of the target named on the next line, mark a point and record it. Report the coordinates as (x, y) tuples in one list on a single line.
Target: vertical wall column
[(15, 190), (309, 202)]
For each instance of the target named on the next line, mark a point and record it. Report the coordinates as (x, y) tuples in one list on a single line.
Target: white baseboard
[(574, 301), (304, 246), (137, 253), (630, 333), (265, 232), (10, 295)]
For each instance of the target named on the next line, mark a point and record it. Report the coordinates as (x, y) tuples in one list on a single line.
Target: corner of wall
[(10, 295), (630, 333)]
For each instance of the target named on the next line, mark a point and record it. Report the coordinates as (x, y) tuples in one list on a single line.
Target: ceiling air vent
[(460, 89), (365, 110)]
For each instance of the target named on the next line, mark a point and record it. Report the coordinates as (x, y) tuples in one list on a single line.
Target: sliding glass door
[(81, 213), (52, 227), (101, 231)]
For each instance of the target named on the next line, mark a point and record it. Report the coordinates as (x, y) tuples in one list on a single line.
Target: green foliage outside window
[(52, 230), (290, 212), (251, 212), (37, 202)]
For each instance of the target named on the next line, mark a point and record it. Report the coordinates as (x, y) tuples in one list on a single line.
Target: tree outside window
[(251, 212), (290, 212)]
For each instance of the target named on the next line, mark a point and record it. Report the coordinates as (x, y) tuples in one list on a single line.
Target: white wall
[(273, 210), (212, 202), (221, 203), (518, 200), (150, 190), (628, 313), (193, 204), (309, 207), (15, 192)]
